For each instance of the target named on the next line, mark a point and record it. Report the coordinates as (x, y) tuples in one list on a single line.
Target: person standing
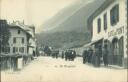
[(62, 54), (93, 57), (84, 55), (56, 54), (105, 56), (66, 55), (74, 54), (90, 55), (97, 60)]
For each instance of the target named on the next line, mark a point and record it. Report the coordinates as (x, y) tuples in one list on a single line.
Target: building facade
[(29, 39), (110, 28), (18, 40), (21, 46)]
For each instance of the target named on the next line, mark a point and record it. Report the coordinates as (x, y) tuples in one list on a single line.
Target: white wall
[(122, 21), (121, 24), (14, 33), (33, 45)]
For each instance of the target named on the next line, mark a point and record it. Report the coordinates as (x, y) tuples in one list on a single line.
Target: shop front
[(116, 50), (115, 47)]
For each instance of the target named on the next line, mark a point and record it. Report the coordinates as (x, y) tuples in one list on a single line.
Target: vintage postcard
[(63, 40)]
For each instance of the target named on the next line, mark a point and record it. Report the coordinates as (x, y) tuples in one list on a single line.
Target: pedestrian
[(87, 55), (105, 56), (97, 58), (90, 55), (74, 52), (93, 58), (73, 55), (66, 55), (70, 55), (57, 53), (62, 54), (84, 55)]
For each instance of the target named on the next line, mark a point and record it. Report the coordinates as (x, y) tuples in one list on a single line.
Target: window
[(105, 21), (15, 49), (21, 49), (114, 15), (7, 50), (99, 25), (18, 31), (22, 40), (14, 40)]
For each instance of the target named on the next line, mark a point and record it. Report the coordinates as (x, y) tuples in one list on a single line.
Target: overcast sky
[(32, 11)]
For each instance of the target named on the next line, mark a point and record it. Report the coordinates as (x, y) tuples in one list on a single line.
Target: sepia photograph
[(63, 40)]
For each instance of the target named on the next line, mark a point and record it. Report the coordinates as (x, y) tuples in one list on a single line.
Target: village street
[(47, 69)]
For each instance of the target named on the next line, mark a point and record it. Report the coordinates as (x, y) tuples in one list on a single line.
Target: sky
[(32, 11)]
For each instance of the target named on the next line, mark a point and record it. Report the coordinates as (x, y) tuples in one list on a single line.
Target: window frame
[(99, 25), (105, 22), (14, 40), (14, 49), (7, 50), (114, 18), (21, 49), (22, 40), (19, 31)]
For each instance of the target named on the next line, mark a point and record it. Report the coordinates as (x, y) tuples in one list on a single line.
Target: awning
[(91, 43), (87, 45), (96, 41)]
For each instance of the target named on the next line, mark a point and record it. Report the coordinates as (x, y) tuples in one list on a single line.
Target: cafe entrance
[(117, 51)]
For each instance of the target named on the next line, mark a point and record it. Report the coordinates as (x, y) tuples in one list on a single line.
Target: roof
[(27, 28), (100, 9), (15, 26)]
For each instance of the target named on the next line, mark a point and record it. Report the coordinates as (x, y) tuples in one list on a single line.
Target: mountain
[(63, 39), (68, 27)]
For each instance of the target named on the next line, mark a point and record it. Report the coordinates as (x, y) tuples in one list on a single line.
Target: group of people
[(55, 54), (69, 55), (94, 56)]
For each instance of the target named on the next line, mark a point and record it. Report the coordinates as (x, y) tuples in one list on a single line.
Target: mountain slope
[(73, 17), (69, 27), (63, 39), (64, 14)]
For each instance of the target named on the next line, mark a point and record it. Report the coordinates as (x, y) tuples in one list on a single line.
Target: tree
[(4, 35)]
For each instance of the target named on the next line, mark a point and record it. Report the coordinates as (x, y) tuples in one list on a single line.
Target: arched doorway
[(108, 44), (115, 46), (117, 51), (121, 46)]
